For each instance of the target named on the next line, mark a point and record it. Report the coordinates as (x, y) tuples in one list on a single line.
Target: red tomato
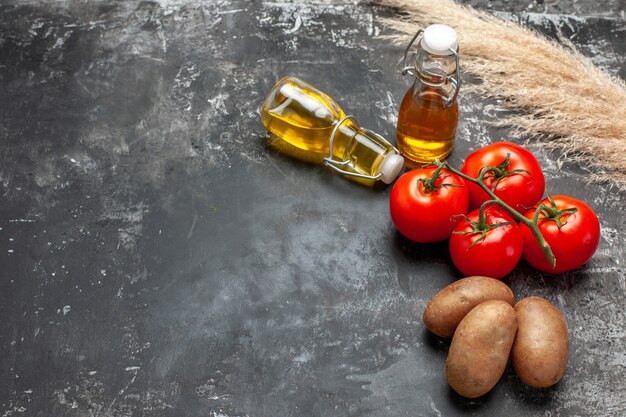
[(494, 256), (425, 212), (521, 190), (573, 244)]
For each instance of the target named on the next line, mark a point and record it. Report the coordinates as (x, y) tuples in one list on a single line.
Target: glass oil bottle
[(307, 124), (429, 111)]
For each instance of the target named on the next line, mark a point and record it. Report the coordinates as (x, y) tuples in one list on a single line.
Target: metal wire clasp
[(456, 81), (337, 165), (409, 69)]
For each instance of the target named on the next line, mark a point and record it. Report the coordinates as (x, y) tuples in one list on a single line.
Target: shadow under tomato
[(436, 251), (423, 268), (526, 281)]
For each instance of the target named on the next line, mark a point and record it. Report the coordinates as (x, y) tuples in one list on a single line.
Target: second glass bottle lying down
[(307, 124)]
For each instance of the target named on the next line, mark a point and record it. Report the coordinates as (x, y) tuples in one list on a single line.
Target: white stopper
[(439, 39), (390, 167)]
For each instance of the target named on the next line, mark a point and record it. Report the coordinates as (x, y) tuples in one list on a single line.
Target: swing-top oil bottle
[(307, 124), (429, 111)]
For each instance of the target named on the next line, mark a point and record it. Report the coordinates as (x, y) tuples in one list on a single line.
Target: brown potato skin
[(480, 348), (447, 308), (541, 347)]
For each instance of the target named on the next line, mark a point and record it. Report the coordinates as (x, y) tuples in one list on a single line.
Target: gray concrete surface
[(157, 259)]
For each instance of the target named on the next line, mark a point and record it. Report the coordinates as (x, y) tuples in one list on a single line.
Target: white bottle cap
[(439, 39), (390, 167)]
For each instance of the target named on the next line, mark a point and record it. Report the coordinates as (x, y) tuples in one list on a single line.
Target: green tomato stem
[(532, 225), (482, 217), (429, 183)]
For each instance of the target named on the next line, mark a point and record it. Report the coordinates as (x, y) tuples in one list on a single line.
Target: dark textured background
[(157, 259)]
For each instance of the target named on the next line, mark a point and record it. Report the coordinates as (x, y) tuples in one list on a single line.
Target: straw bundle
[(564, 99)]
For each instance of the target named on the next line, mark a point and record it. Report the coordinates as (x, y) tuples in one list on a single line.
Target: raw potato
[(448, 307), (540, 350), (480, 348)]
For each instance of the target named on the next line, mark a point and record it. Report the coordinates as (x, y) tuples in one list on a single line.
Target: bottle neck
[(365, 152), (434, 74), (350, 134)]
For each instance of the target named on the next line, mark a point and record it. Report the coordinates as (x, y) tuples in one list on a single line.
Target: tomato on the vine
[(517, 175), (490, 249), (425, 202), (570, 227)]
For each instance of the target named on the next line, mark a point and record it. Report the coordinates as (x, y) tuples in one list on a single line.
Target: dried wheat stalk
[(564, 98)]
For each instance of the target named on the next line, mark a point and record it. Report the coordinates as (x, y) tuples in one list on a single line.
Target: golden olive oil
[(301, 121), (429, 112), (426, 126)]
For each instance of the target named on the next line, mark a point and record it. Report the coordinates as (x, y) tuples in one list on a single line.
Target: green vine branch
[(531, 224)]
